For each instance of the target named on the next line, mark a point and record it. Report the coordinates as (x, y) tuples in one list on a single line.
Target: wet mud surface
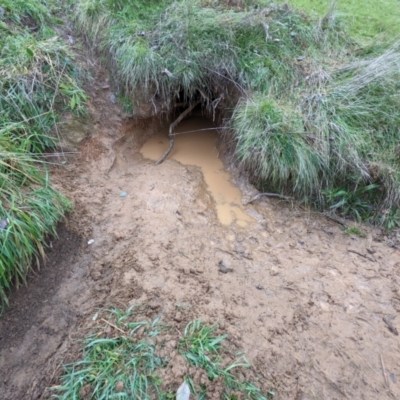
[(306, 303)]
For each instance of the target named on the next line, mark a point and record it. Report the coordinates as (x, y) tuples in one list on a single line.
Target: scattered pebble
[(224, 267), (91, 241), (393, 378), (63, 162), (301, 58), (3, 224), (259, 287), (71, 40), (119, 386), (152, 187), (113, 99), (123, 194)]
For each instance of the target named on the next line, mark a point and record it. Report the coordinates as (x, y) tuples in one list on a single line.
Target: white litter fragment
[(183, 393)]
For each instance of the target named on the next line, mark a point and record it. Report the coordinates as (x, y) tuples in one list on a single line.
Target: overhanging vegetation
[(36, 80), (310, 113)]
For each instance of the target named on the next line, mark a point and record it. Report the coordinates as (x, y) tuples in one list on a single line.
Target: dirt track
[(304, 301)]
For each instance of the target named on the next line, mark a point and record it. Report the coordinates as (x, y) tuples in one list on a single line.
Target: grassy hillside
[(365, 19), (36, 84)]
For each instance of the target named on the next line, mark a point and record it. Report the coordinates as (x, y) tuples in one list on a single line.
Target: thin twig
[(334, 219), (384, 371), (199, 130), (366, 363), (361, 255), (171, 131), (115, 327)]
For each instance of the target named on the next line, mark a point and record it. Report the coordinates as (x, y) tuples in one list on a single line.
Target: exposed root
[(279, 196), (171, 134), (334, 219)]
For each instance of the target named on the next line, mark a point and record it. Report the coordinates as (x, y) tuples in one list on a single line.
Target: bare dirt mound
[(313, 309)]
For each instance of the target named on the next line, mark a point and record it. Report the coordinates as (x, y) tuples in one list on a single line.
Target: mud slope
[(305, 302)]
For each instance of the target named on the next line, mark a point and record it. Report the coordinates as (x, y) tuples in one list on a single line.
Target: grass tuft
[(126, 359)]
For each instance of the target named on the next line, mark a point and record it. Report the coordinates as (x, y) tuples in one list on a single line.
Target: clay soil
[(306, 303)]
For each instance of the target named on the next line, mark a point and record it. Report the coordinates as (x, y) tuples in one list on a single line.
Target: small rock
[(178, 212), (96, 275), (259, 287), (393, 378), (2, 12), (301, 58), (224, 267), (71, 40), (274, 271), (113, 99), (119, 386), (178, 317), (91, 241), (151, 187), (123, 194)]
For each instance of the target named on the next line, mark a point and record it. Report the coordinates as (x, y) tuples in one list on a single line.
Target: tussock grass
[(310, 112), (37, 82), (172, 49), (126, 359)]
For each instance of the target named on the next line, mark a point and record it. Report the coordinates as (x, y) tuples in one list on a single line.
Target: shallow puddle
[(198, 148)]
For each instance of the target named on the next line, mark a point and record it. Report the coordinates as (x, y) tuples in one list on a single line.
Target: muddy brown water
[(195, 144), (306, 303)]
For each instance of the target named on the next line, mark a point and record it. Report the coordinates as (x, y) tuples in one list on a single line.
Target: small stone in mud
[(224, 267), (259, 287), (123, 194), (178, 317), (274, 271), (151, 187), (119, 386), (178, 212)]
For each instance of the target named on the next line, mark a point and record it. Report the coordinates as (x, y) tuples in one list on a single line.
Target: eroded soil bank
[(305, 302)]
